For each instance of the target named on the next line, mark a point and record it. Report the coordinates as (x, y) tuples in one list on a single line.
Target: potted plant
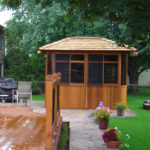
[(120, 107), (100, 115), (112, 138)]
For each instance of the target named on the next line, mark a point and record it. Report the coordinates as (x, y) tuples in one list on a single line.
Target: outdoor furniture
[(24, 92), (3, 97), (7, 85), (146, 104)]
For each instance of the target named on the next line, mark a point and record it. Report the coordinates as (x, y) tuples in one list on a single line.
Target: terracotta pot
[(120, 112), (103, 124), (113, 144)]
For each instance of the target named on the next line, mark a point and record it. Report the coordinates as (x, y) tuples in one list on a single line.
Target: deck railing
[(53, 119)]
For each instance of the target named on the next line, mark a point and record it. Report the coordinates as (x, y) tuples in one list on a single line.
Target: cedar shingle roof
[(85, 44)]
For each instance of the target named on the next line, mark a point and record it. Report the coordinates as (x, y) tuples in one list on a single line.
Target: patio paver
[(84, 134)]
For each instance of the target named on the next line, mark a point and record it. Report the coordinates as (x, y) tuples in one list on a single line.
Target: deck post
[(48, 98)]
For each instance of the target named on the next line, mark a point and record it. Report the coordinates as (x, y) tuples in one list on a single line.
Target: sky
[(5, 16)]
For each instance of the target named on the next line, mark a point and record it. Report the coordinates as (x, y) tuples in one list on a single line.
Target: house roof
[(85, 44)]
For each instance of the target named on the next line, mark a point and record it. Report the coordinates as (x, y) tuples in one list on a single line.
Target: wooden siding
[(124, 93), (95, 95), (111, 96), (75, 96), (72, 96)]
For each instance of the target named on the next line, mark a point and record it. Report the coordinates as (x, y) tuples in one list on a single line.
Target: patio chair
[(24, 92)]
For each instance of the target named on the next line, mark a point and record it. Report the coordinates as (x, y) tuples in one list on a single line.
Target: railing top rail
[(54, 78)]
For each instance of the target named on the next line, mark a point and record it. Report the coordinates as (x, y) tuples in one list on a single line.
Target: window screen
[(110, 73), (95, 69), (77, 57), (110, 58), (95, 73), (49, 64), (77, 72), (62, 57), (123, 69), (93, 57), (63, 68)]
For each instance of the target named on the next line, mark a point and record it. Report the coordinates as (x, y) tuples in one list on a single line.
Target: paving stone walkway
[(84, 134)]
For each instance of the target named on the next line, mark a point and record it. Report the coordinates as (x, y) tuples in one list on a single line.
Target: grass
[(63, 137), (139, 127), (38, 97)]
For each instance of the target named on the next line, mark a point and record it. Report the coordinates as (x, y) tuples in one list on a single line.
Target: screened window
[(110, 73), (95, 69), (49, 64), (77, 57), (110, 58), (77, 72), (102, 69), (62, 66), (123, 69), (71, 68), (62, 57)]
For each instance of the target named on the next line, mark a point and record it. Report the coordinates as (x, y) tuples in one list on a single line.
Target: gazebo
[(93, 69)]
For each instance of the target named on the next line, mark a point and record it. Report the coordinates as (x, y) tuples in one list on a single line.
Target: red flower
[(110, 135)]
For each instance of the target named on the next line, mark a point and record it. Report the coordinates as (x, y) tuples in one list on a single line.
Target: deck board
[(21, 129)]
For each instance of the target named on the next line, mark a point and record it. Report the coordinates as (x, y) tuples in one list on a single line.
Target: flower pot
[(120, 112), (113, 144), (103, 124)]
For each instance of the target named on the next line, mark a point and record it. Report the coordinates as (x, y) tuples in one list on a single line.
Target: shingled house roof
[(85, 44)]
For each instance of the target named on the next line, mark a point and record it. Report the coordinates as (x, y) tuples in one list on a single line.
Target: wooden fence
[(53, 119)]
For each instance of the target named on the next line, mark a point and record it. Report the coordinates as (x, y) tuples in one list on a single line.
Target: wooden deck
[(21, 129)]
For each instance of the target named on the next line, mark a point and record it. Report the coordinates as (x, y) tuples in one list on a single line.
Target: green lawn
[(38, 97), (138, 128)]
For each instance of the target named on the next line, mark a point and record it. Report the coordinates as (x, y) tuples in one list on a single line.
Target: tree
[(134, 17), (125, 21), (33, 26), (134, 13), (16, 60)]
